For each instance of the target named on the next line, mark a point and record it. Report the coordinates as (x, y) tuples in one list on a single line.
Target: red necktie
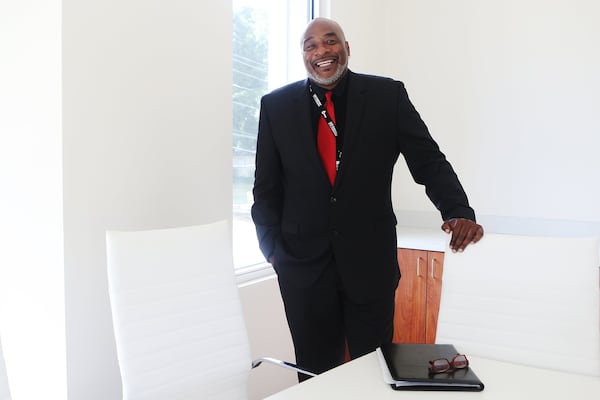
[(326, 140)]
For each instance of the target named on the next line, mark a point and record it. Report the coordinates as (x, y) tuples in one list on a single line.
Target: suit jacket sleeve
[(428, 165), (268, 191)]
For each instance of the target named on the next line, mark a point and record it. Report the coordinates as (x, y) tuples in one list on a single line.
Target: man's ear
[(348, 48)]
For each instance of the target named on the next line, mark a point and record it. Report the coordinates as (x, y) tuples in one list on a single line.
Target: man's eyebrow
[(307, 39)]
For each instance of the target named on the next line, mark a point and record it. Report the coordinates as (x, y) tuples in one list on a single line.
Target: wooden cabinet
[(418, 296)]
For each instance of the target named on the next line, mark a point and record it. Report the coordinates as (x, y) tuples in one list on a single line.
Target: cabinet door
[(411, 297), (435, 269)]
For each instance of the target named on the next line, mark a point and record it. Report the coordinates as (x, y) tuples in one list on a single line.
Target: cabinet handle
[(418, 266), (433, 268)]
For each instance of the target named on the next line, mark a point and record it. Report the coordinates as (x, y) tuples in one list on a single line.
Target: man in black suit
[(326, 224)]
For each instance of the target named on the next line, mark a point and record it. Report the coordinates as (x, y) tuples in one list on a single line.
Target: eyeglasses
[(440, 365)]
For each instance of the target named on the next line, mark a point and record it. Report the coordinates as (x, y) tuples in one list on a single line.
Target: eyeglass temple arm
[(283, 364)]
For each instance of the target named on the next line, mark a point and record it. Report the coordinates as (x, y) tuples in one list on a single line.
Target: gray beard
[(339, 73)]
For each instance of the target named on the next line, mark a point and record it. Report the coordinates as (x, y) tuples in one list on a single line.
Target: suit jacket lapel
[(301, 124), (355, 107)]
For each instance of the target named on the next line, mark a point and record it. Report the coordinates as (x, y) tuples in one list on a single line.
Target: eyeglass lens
[(443, 364)]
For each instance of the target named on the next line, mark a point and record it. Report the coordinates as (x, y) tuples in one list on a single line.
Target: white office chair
[(523, 299), (177, 316), (4, 391)]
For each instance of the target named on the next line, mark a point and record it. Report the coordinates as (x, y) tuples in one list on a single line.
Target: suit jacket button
[(332, 200)]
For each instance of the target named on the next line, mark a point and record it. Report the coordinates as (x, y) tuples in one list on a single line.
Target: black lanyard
[(330, 123)]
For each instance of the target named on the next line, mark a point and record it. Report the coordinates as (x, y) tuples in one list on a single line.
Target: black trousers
[(323, 318)]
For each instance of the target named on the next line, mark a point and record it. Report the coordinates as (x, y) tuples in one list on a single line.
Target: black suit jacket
[(304, 223)]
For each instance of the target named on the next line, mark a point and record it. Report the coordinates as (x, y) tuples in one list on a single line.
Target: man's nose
[(321, 49)]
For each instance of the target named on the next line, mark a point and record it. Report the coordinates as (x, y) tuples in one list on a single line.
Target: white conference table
[(362, 379)]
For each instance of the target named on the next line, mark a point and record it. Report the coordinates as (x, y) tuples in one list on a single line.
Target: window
[(266, 55)]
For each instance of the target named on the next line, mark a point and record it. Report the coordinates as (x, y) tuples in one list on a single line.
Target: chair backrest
[(523, 299), (177, 316), (4, 392)]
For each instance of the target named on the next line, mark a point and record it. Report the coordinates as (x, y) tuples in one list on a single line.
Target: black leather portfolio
[(408, 365)]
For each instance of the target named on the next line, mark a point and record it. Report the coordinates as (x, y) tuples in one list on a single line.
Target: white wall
[(32, 317), (509, 89), (147, 143)]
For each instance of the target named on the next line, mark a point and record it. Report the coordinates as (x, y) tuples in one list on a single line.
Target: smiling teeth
[(324, 63)]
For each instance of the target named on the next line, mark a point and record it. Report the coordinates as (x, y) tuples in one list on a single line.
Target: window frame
[(290, 69)]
